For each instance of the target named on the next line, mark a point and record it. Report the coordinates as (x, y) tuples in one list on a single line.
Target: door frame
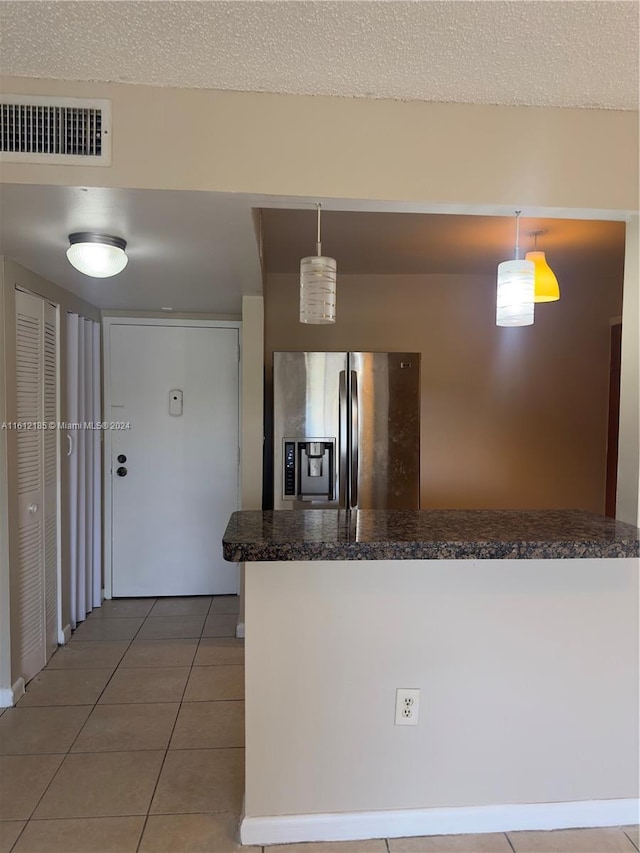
[(107, 323)]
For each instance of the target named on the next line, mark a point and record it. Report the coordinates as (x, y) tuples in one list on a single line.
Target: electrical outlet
[(407, 706)]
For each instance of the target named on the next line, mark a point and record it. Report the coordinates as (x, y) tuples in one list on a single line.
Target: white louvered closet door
[(36, 390), (72, 461), (84, 454), (50, 392)]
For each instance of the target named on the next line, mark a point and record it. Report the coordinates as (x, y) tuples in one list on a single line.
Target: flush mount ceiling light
[(515, 296), (318, 286), (97, 255), (547, 288)]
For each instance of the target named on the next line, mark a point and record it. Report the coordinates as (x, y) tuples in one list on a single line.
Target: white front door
[(174, 469)]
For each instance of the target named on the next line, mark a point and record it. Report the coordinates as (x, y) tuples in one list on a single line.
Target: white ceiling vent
[(41, 129)]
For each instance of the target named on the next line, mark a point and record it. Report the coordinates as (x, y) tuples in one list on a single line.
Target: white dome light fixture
[(97, 255), (516, 288), (318, 286)]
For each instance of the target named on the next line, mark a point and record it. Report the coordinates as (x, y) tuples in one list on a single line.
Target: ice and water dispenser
[(308, 469)]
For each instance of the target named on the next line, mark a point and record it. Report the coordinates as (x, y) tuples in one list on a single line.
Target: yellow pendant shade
[(546, 284)]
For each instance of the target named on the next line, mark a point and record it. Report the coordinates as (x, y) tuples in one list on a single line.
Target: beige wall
[(15, 275), (368, 149), (511, 418), (528, 672)]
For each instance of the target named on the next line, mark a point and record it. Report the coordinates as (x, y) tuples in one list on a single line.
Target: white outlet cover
[(407, 706)]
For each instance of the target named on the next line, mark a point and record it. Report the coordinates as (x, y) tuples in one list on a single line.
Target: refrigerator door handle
[(353, 502), (342, 438)]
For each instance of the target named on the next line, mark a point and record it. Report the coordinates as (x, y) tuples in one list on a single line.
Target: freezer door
[(307, 390), (385, 413)]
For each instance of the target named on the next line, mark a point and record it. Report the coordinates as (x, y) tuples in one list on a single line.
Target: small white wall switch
[(175, 402), (407, 706)]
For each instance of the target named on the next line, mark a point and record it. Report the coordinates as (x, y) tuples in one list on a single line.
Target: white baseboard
[(352, 826), (10, 695), (65, 635), (240, 630)]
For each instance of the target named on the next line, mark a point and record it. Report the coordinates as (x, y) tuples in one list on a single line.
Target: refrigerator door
[(385, 415), (309, 394)]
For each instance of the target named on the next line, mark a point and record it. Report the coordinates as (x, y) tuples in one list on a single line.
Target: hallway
[(132, 737)]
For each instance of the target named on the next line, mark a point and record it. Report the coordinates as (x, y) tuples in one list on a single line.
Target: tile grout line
[(630, 838), (386, 841), (93, 706), (100, 695), (506, 835), (68, 751), (173, 728)]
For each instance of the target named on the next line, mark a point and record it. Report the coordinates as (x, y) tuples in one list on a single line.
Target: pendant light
[(547, 288), (515, 294), (97, 255), (318, 286)]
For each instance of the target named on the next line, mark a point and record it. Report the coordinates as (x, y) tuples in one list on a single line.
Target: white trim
[(64, 635), (106, 461), (352, 826), (240, 630), (10, 695), (107, 323)]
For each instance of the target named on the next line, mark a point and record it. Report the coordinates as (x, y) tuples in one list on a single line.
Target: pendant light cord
[(517, 255), (318, 243)]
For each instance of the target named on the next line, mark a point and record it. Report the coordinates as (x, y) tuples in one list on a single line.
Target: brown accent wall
[(511, 418)]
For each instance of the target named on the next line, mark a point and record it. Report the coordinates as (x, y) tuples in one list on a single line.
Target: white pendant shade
[(516, 291), (318, 275), (99, 256)]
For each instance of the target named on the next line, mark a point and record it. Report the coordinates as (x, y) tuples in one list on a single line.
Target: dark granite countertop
[(332, 534)]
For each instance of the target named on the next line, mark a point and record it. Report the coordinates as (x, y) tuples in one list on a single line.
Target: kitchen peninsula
[(519, 629)]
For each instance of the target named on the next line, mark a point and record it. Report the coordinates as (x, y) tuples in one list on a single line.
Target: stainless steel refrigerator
[(346, 428)]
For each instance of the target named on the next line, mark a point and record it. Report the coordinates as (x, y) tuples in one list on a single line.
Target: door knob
[(33, 508), (122, 458), (121, 471)]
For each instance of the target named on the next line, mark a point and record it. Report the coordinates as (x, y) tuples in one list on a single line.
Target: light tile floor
[(131, 741)]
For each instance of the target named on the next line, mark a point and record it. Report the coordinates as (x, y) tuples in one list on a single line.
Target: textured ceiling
[(533, 52)]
